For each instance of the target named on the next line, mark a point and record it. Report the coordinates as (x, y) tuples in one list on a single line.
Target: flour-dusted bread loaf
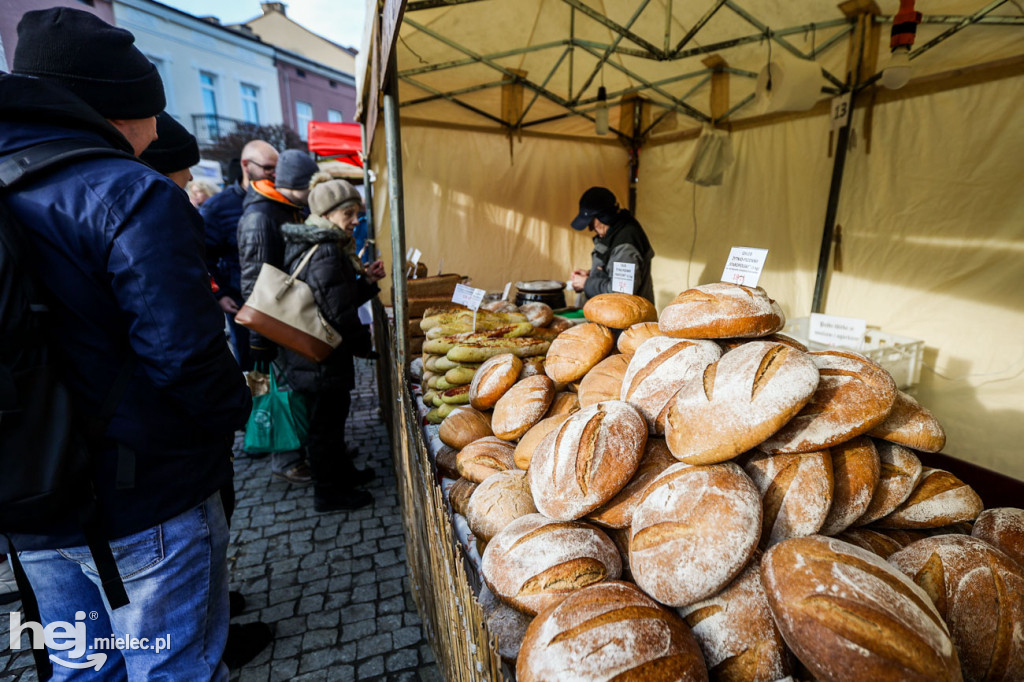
[(609, 631), (618, 511), (979, 591), (658, 369), (900, 472), (856, 469), (938, 500), (564, 402), (694, 530), (497, 502), (849, 615), (536, 562), (532, 366), (876, 541), (911, 425), (485, 457), (853, 396), (459, 494), (522, 406), (741, 400), (721, 311), (587, 460), (736, 632), (492, 379), (538, 314), (527, 445), (1003, 528), (619, 311), (604, 381), (630, 339), (576, 350), (463, 426), (796, 492), (731, 344), (447, 461), (506, 624)]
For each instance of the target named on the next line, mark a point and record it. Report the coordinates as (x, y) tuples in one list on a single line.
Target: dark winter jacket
[(120, 250), (625, 242), (259, 237), (221, 214), (339, 291)]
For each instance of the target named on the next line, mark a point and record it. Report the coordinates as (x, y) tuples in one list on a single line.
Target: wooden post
[(719, 86)]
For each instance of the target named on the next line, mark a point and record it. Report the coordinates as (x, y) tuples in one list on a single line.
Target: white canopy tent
[(497, 100)]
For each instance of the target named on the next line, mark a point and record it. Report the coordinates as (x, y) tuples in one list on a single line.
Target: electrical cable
[(693, 244)]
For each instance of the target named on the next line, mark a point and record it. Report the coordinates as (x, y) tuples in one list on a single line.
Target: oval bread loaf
[(463, 426), (576, 351), (564, 402), (1003, 528), (538, 314), (847, 614), (721, 311), (446, 461), (740, 400), (459, 494), (630, 339), (855, 473), (532, 366), (618, 511), (874, 541), (938, 500), (619, 311), (506, 624), (796, 493), (731, 344), (492, 379), (536, 562), (485, 457), (609, 631), (604, 381), (521, 407), (497, 502), (898, 476), (527, 445), (911, 425)]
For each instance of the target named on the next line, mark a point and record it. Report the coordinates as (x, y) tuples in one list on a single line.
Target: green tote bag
[(279, 420)]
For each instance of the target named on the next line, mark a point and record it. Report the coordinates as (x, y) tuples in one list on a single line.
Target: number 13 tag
[(840, 111)]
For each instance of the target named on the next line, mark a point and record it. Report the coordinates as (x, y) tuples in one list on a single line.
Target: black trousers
[(325, 443)]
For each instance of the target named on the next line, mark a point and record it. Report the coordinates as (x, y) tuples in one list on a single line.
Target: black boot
[(236, 603), (245, 642), (328, 498)]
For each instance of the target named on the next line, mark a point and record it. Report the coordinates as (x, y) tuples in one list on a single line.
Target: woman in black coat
[(340, 285)]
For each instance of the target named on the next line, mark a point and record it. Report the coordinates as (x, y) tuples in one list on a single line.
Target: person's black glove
[(262, 356)]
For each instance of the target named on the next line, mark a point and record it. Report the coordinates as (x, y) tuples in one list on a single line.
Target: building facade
[(313, 92)]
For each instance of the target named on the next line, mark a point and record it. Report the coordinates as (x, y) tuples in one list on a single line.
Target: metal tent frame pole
[(396, 205)]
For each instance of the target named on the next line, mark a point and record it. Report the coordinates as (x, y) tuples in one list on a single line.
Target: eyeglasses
[(266, 169)]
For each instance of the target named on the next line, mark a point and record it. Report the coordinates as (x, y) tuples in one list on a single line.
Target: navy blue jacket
[(120, 249), (221, 214)]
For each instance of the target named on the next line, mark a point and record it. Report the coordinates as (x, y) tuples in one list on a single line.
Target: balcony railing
[(209, 127)]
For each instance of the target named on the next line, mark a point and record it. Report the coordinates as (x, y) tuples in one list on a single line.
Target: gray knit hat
[(332, 195), (294, 169)]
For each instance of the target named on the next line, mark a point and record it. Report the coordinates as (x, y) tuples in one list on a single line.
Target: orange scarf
[(266, 188)]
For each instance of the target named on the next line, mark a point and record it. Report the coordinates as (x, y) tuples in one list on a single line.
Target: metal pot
[(542, 291)]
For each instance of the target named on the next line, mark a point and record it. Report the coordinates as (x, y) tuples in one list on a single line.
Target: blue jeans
[(176, 577)]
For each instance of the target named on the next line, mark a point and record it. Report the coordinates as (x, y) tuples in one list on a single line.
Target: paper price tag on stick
[(508, 290), (470, 297), (845, 332), (744, 266), (622, 277)]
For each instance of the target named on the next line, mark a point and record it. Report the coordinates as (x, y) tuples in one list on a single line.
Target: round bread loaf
[(619, 311), (853, 396), (658, 369), (485, 457), (731, 344), (522, 406), (446, 461), (1003, 528), (587, 460), (721, 311), (849, 615), (506, 624), (874, 541), (559, 324), (497, 502), (538, 314), (463, 426), (630, 339), (979, 591), (745, 397), (618, 511), (500, 306), (855, 472), (536, 562), (900, 472), (609, 631), (736, 632), (911, 425), (493, 379), (564, 402), (693, 531), (796, 493), (527, 445), (576, 351), (532, 366), (604, 381), (459, 494), (938, 500)]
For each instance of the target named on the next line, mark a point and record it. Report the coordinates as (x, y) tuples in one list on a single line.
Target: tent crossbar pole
[(558, 117), (956, 28), (441, 66), (832, 41), (637, 88), (443, 95), (543, 84), (450, 93), (694, 29), (957, 18), (756, 37), (632, 52), (739, 72), (668, 24), (739, 105), (417, 5), (615, 27), (608, 52)]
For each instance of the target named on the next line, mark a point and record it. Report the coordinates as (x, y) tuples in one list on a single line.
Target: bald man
[(221, 214)]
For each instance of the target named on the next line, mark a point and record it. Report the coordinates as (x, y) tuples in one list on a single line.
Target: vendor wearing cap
[(618, 239)]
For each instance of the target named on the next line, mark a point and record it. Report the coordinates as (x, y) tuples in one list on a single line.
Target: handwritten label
[(744, 266), (416, 255), (468, 296), (840, 111), (622, 277), (508, 290), (845, 332)]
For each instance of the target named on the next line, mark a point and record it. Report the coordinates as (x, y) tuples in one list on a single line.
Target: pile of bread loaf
[(701, 497), (457, 340)]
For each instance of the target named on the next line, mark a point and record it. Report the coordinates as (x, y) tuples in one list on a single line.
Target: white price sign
[(622, 277), (468, 296), (744, 266), (840, 111), (845, 332), (416, 255), (508, 290)]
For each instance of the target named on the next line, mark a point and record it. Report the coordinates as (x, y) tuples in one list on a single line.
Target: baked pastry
[(463, 426), (576, 350), (527, 445), (492, 379), (459, 494), (630, 339), (521, 407), (938, 500), (609, 631), (604, 381), (721, 311), (744, 397), (694, 530), (849, 615), (485, 457), (619, 311), (796, 493), (911, 425), (618, 511), (730, 344), (856, 469), (1003, 528), (879, 542), (445, 460), (587, 460), (497, 502), (853, 396), (899, 474)]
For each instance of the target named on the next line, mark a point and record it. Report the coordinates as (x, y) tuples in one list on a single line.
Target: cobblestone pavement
[(333, 586)]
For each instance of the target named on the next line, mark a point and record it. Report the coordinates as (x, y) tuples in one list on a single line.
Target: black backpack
[(45, 461)]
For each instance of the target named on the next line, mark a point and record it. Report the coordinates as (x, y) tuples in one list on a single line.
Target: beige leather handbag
[(282, 308)]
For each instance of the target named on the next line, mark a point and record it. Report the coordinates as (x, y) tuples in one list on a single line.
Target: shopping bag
[(279, 420)]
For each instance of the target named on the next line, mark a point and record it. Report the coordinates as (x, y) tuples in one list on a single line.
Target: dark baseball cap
[(595, 203)]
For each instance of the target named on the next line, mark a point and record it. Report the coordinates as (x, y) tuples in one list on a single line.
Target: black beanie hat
[(96, 61), (175, 147), (294, 170)]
